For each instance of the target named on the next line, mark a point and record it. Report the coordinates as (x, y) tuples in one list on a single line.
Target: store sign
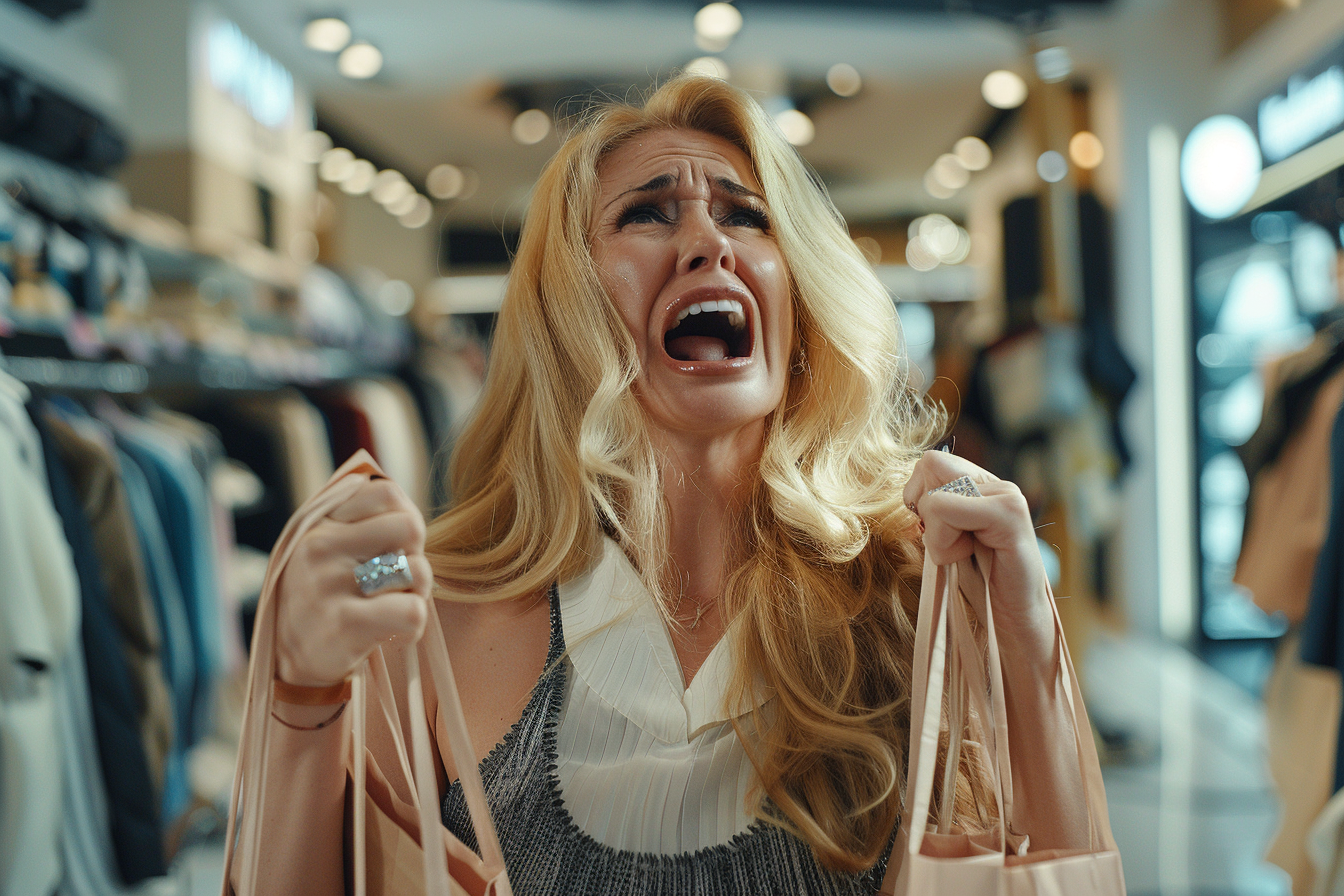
[(241, 69), (1307, 111)]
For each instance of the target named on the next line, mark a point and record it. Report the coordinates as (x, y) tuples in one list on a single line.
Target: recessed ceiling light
[(419, 215), (718, 21), (797, 127), (327, 34), (1052, 166), (389, 186), (359, 178), (531, 126), (335, 164), (445, 181), (1086, 150), (1004, 89), (360, 60), (973, 153), (843, 79), (949, 171)]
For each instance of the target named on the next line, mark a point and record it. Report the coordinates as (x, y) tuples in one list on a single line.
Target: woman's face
[(681, 235)]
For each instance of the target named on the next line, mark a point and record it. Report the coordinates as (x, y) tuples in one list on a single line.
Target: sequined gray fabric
[(546, 853)]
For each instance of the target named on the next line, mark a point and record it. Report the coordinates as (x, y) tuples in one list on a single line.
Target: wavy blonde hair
[(826, 559)]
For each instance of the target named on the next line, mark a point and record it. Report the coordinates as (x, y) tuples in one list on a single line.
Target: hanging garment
[(178, 663), (1323, 627), (400, 444), (133, 811), (184, 509), (92, 465), (1289, 506), (39, 624)]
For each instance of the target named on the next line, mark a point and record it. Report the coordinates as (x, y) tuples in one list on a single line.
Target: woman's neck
[(704, 482)]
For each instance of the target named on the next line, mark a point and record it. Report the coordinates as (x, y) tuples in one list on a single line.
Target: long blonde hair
[(826, 558)]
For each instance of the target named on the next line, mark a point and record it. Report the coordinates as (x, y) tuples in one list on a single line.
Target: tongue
[(698, 348)]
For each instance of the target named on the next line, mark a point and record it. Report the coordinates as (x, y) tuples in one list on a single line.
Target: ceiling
[(450, 66)]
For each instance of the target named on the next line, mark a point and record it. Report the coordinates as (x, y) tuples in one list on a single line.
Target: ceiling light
[(360, 60), (1004, 89), (844, 79), (531, 126), (389, 186), (419, 215), (335, 164), (718, 21), (919, 257), (1053, 64), (312, 145), (973, 153), (1086, 150), (1052, 167), (402, 206), (797, 127), (327, 34), (936, 189), (711, 66), (939, 234), (949, 172), (1220, 166), (445, 181), (359, 178)]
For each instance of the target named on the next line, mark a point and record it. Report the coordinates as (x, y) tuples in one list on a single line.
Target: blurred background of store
[(269, 233)]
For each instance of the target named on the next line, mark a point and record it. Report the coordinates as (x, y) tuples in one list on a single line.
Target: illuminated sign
[(1307, 111), (245, 72)]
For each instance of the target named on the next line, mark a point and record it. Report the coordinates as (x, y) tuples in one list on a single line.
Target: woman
[(697, 422)]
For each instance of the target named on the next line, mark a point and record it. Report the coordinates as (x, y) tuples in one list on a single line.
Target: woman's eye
[(745, 216), (641, 214)]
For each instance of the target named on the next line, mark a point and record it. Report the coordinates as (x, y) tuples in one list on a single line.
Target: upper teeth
[(736, 317)]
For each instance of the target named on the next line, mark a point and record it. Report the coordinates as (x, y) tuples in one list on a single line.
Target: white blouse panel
[(645, 764)]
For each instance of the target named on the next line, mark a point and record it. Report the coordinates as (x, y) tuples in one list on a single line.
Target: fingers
[(999, 521), (938, 468), (394, 532), (374, 498)]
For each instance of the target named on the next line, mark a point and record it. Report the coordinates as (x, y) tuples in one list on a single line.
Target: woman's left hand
[(1001, 522)]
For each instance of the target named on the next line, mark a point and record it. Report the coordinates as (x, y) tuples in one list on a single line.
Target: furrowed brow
[(661, 182), (733, 188)]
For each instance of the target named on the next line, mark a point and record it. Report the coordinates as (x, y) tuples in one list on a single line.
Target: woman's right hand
[(326, 625)]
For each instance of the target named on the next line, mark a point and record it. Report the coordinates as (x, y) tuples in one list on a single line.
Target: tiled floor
[(1191, 820), (1196, 817)]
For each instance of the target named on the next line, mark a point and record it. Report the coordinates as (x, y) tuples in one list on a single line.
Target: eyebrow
[(663, 181)]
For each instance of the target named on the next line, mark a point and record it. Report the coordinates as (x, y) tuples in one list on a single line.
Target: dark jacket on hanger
[(137, 828)]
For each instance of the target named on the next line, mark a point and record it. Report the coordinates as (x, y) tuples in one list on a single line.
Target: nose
[(703, 243)]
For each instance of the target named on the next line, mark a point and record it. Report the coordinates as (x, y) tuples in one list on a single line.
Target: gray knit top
[(546, 853)]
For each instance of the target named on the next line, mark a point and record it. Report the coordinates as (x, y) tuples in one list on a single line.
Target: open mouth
[(715, 330)]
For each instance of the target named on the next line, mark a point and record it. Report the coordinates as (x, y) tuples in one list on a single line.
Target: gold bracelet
[(303, 695), (319, 725)]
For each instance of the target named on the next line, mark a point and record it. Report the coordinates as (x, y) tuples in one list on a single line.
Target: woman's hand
[(999, 521), (325, 624)]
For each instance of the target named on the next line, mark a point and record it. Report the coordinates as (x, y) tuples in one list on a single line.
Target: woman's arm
[(324, 628), (1049, 802), (303, 807)]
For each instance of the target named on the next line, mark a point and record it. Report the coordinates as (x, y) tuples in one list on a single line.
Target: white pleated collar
[(620, 647)]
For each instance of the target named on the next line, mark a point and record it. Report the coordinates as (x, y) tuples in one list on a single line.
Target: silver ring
[(390, 572), (962, 485)]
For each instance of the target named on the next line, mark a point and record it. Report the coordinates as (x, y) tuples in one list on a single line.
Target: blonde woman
[(679, 579)]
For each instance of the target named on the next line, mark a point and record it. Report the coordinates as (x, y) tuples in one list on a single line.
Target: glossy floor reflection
[(1194, 815)]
